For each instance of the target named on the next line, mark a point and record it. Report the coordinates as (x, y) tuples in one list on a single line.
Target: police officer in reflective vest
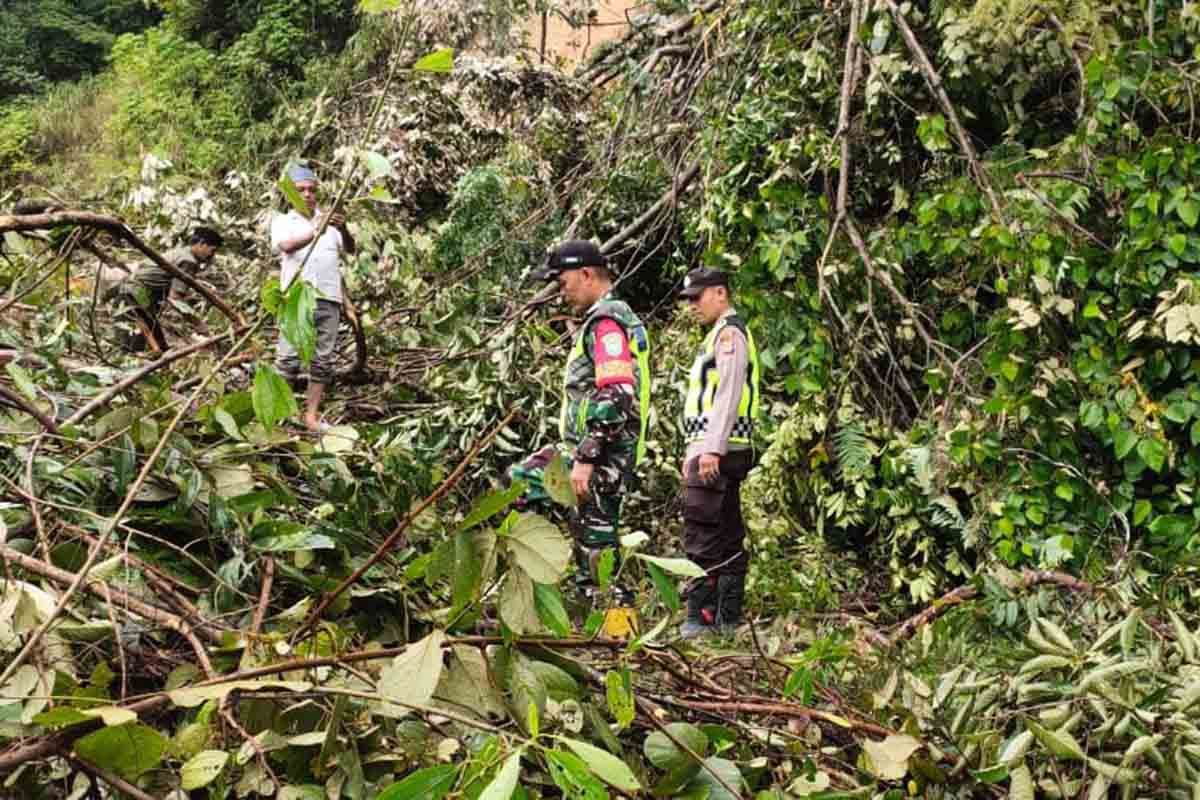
[(718, 423), (605, 401)]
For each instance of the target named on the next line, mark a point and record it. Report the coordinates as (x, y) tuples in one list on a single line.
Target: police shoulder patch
[(726, 343), (614, 343)]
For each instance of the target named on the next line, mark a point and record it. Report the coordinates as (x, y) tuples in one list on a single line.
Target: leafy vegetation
[(964, 234)]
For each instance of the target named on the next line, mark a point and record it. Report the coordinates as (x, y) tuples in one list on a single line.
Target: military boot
[(702, 597), (731, 589)]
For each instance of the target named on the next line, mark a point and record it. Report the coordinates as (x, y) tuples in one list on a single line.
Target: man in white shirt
[(317, 261)]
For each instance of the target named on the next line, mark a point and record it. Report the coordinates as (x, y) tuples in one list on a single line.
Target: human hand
[(337, 220), (581, 476), (710, 467)]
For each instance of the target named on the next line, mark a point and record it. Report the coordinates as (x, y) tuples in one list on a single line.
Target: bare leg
[(312, 405)]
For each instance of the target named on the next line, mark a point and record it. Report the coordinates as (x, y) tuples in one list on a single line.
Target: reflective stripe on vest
[(702, 388), (579, 374)]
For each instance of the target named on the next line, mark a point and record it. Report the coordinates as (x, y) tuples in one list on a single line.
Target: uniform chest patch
[(614, 343)]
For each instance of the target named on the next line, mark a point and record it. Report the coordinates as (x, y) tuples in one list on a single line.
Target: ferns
[(854, 450)]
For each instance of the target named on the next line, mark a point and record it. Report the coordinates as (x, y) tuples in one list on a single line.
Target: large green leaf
[(272, 397), (412, 676), (492, 504), (293, 196), (437, 61), (1021, 785), (518, 607), (676, 566), (431, 783), (556, 480), (297, 318), (1153, 452), (128, 750), (571, 774), (1124, 441), (505, 782), (467, 683), (713, 789), (549, 604), (604, 765), (202, 769), (539, 548), (664, 754), (1060, 743), (664, 586)]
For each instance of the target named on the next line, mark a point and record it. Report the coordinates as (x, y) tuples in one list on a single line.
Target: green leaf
[(676, 566), (539, 548), (1153, 452), (664, 586), (556, 480), (297, 318), (664, 754), (437, 61), (293, 196), (339, 439), (604, 765), (128, 750), (1059, 743), (1177, 243), (1123, 442), (23, 381), (549, 604), (61, 717), (272, 397), (492, 504), (505, 782), (431, 783), (202, 769), (570, 774), (1021, 786), (620, 699), (1064, 491), (704, 780), (271, 295), (1189, 212), (517, 605), (412, 676)]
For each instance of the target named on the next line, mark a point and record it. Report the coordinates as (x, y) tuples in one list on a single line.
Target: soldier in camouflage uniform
[(605, 403)]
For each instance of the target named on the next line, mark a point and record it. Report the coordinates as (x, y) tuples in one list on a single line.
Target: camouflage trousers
[(594, 522)]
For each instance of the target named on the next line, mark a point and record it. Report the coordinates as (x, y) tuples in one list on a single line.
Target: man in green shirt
[(144, 293)]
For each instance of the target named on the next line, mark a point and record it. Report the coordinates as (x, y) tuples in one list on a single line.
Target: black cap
[(571, 254), (696, 281)]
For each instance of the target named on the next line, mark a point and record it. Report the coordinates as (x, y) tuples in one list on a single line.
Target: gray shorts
[(287, 360)]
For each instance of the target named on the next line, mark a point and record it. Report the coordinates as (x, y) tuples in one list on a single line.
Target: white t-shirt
[(321, 270)]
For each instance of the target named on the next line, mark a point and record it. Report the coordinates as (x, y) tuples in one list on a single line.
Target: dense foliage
[(965, 235)]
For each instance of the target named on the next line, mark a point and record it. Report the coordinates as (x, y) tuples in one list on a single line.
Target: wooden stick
[(116, 781), (934, 80), (170, 357), (123, 599), (11, 398), (264, 595)]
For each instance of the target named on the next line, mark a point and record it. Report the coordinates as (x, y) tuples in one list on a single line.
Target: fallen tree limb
[(449, 483), (32, 222), (669, 198), (48, 745), (934, 81), (1029, 579), (167, 358), (121, 599), (14, 400)]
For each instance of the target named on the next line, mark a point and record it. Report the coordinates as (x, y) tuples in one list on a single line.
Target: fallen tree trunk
[(35, 222)]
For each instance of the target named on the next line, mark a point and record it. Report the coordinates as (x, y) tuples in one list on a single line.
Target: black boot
[(730, 591), (702, 597)]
